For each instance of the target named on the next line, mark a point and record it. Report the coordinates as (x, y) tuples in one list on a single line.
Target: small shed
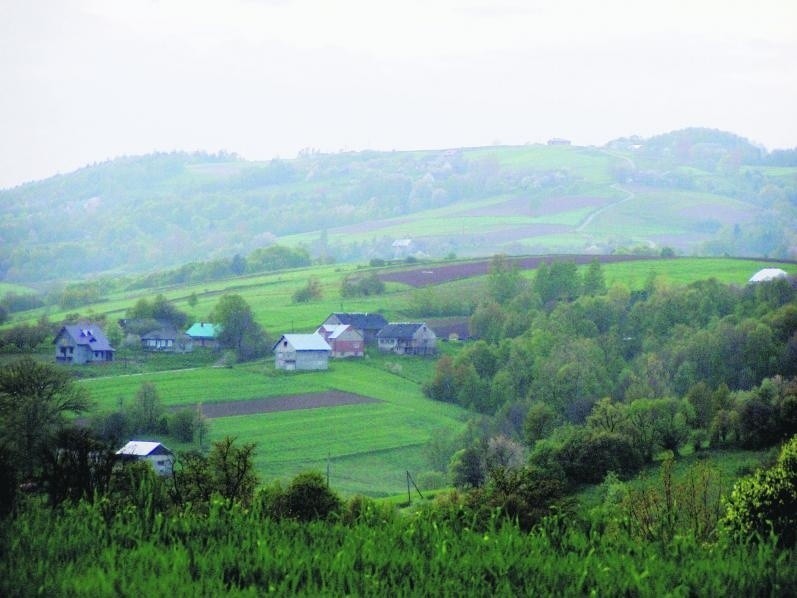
[(82, 343), (204, 334), (301, 352), (160, 457), (408, 338), (343, 339)]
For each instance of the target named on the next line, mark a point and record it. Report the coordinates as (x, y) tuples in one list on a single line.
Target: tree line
[(577, 380)]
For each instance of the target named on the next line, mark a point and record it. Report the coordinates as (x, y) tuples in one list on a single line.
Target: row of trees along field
[(589, 380)]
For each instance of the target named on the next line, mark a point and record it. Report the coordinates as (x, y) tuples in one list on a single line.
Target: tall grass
[(82, 551)]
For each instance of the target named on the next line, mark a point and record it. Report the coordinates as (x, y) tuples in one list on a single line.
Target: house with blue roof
[(82, 343)]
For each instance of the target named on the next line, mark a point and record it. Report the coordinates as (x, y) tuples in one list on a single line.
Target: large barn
[(301, 352)]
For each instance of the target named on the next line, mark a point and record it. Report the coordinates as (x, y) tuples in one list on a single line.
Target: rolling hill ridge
[(698, 191)]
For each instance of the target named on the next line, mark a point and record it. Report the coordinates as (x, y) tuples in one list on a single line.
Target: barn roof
[(143, 448), (86, 333), (363, 321), (767, 274), (305, 342)]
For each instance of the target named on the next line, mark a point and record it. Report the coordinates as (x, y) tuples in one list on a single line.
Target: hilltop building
[(768, 275)]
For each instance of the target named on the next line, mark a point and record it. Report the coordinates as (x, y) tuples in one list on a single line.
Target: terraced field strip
[(436, 274), (330, 398)]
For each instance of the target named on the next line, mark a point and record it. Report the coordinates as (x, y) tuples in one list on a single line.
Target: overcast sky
[(87, 80)]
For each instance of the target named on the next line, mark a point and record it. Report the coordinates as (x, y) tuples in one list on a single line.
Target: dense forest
[(136, 214)]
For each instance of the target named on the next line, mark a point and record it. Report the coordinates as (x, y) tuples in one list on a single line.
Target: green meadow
[(369, 446)]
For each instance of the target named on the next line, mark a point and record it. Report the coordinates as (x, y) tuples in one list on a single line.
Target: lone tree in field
[(239, 331), (34, 398)]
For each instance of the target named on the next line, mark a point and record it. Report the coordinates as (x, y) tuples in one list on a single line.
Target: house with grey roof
[(301, 352), (157, 455), (82, 343), (369, 324), (407, 338), (167, 340)]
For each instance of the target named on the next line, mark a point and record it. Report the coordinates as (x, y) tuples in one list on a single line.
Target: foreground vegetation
[(234, 552), (302, 539)]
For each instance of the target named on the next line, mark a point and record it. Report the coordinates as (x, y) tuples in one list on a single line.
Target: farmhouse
[(161, 458), (344, 339), (301, 352), (408, 338), (167, 340), (204, 334), (82, 343), (368, 324)]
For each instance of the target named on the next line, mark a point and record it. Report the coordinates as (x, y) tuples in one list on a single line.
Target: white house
[(161, 458)]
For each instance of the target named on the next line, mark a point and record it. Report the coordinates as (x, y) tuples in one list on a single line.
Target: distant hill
[(695, 190)]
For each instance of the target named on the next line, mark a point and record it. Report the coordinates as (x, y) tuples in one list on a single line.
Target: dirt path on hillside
[(330, 398), (628, 197)]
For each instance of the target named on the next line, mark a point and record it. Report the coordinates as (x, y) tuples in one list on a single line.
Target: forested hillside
[(695, 190)]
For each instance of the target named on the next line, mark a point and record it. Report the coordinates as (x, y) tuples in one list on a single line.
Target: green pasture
[(269, 295), (682, 271), (584, 162), (8, 287), (457, 219)]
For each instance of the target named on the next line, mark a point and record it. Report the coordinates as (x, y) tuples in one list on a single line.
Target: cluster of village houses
[(341, 335)]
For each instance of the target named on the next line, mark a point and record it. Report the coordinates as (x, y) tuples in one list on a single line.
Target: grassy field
[(7, 287), (369, 446)]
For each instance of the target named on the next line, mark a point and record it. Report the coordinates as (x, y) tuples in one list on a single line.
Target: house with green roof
[(204, 334)]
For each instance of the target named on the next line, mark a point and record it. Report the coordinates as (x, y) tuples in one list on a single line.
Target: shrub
[(767, 500), (306, 498)]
